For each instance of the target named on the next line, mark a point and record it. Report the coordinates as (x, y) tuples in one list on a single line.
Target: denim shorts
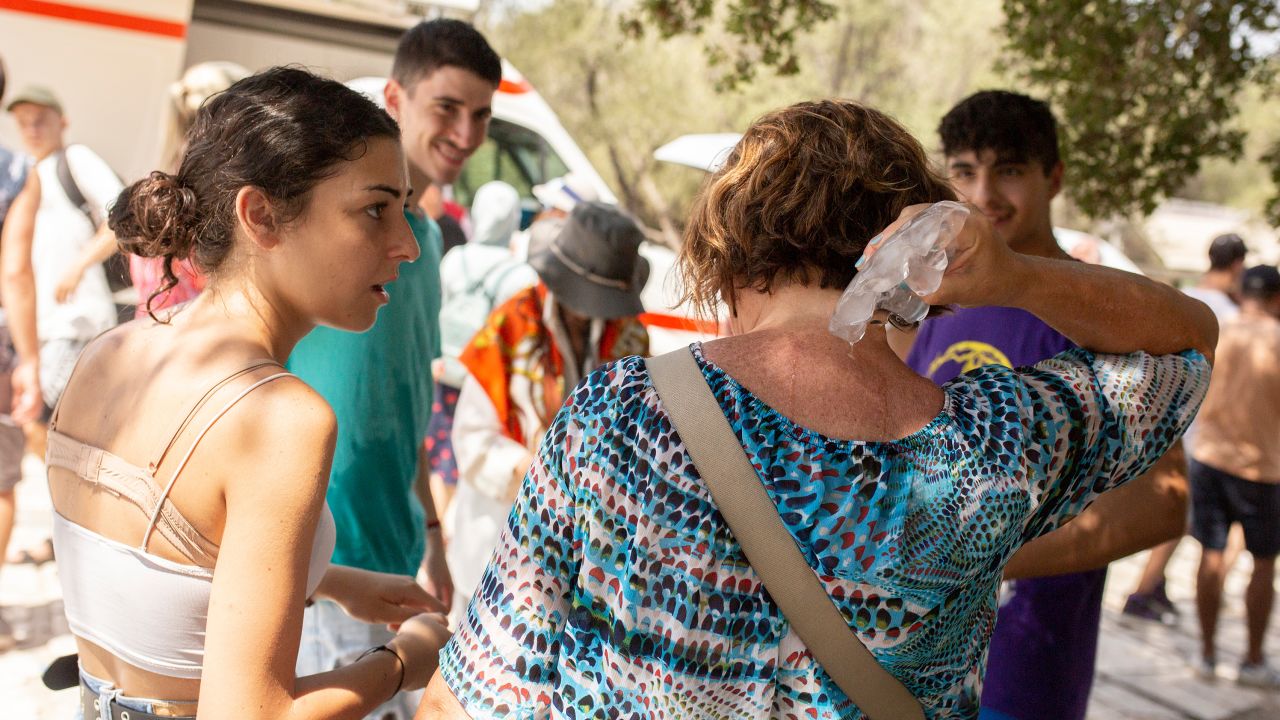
[(106, 692)]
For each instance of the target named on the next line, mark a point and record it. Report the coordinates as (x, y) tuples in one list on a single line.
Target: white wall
[(112, 82)]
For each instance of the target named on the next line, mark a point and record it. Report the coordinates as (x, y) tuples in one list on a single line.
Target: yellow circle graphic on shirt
[(970, 355)]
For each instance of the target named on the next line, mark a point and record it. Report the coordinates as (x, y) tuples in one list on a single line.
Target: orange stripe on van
[(510, 87), (676, 322), (102, 18)]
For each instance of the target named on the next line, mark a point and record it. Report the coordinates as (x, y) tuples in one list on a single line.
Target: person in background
[(379, 382), (1235, 473), (19, 399), (54, 280), (558, 198), (1219, 288), (531, 352), (72, 300), (475, 278), (618, 590)]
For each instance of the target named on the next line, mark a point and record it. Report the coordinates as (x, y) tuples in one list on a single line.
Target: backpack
[(466, 312), (116, 266)]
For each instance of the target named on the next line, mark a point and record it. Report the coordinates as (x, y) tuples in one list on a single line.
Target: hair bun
[(156, 217)]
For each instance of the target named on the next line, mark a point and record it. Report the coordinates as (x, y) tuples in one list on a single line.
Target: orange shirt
[(1239, 423)]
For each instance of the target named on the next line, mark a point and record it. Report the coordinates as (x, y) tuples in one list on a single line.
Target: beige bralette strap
[(173, 438), (196, 443), (131, 483), (753, 518)]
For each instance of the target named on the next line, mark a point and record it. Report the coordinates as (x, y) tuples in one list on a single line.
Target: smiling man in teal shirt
[(379, 383)]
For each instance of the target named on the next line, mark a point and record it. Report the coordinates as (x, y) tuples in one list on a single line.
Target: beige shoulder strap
[(754, 520)]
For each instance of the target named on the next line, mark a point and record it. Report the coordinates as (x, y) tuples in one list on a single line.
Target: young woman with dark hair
[(187, 469)]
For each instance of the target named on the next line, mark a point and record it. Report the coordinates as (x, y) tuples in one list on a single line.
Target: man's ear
[(257, 217), (1055, 180), (393, 95)]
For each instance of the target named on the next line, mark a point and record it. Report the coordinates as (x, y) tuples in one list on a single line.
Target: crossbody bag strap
[(755, 523)]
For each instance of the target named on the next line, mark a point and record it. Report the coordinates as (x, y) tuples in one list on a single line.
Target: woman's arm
[(376, 598), (102, 246), (434, 565), (18, 292), (1098, 308), (255, 611)]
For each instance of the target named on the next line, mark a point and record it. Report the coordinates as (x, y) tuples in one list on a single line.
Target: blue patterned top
[(619, 592)]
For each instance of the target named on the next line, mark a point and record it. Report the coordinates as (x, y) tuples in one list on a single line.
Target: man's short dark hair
[(1225, 251), (433, 44), (1016, 127)]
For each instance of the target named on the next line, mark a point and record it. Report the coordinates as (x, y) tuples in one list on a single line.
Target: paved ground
[(1142, 669)]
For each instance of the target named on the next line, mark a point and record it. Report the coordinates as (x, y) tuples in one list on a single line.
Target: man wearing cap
[(72, 299), (1219, 288), (1235, 471), (532, 351)]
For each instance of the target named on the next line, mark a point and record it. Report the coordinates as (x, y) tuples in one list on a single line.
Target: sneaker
[(1165, 604), (1259, 675), (1204, 668), (1149, 606)]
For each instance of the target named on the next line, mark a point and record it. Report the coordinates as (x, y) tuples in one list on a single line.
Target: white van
[(112, 62)]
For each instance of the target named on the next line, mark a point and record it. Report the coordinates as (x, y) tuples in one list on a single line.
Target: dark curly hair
[(798, 199), (1016, 127), (282, 131)]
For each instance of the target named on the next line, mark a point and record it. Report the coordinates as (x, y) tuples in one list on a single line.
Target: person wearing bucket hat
[(522, 364), (593, 265)]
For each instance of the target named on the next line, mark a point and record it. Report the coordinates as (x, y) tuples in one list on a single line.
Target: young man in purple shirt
[(1001, 151)]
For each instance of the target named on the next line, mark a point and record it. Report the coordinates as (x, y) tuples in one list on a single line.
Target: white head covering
[(495, 214)]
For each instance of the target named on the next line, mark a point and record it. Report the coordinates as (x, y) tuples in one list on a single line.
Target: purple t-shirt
[(1042, 652)]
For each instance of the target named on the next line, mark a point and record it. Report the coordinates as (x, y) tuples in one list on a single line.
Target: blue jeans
[(107, 692), (331, 639)]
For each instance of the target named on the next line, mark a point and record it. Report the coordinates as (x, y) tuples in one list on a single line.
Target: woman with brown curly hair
[(620, 591)]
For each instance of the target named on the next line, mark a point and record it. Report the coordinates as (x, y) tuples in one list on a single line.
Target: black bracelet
[(396, 655)]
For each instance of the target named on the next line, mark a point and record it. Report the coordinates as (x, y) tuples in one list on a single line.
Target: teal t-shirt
[(379, 386)]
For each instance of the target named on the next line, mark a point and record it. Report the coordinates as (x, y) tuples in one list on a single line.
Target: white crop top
[(149, 611)]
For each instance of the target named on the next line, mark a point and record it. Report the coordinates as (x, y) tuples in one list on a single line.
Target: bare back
[(129, 396)]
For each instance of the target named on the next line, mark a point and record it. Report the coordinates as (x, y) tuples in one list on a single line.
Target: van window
[(512, 154)]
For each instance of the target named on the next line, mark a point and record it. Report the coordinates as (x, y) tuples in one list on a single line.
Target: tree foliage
[(622, 97), (1145, 89), (750, 34)]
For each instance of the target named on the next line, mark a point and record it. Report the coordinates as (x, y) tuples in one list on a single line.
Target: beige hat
[(35, 95)]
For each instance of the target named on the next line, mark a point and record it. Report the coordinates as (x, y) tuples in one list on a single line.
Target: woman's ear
[(257, 217)]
